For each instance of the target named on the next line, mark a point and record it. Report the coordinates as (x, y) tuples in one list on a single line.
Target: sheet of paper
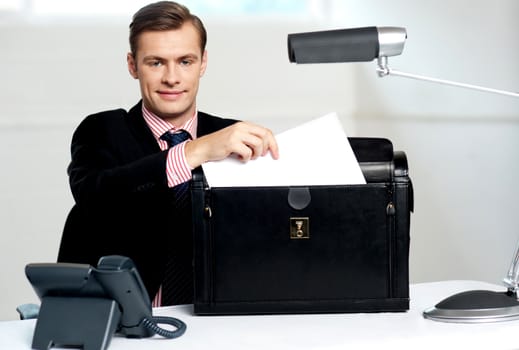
[(314, 153)]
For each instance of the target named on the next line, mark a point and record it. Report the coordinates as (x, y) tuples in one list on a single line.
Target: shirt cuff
[(177, 169)]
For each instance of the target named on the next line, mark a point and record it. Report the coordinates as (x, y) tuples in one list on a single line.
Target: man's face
[(169, 65)]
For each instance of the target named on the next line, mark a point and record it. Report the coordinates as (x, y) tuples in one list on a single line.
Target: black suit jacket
[(122, 202)]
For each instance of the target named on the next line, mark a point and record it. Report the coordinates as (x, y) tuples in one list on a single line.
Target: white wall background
[(462, 146)]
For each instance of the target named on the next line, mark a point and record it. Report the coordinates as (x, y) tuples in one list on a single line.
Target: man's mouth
[(170, 95)]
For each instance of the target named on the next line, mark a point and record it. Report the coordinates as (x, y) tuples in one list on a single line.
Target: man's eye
[(155, 63), (185, 62)]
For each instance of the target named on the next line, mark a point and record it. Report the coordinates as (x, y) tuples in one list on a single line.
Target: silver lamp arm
[(511, 281), (384, 70)]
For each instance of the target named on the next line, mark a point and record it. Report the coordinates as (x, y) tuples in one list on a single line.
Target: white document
[(314, 153)]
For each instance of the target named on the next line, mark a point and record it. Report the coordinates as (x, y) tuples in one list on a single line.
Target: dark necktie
[(177, 287), (181, 191), (174, 138)]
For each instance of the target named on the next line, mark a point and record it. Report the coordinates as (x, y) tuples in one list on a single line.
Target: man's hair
[(163, 15)]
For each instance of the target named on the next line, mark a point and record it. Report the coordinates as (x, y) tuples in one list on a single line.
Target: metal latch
[(299, 228)]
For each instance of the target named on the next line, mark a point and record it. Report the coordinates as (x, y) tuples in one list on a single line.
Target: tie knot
[(174, 139)]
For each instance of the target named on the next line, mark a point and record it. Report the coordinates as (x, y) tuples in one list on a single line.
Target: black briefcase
[(317, 249)]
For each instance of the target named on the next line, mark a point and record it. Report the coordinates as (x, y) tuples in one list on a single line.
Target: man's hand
[(245, 140)]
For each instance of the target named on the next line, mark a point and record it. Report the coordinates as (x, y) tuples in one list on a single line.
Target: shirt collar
[(159, 126)]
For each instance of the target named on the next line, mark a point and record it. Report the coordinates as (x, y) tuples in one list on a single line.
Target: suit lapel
[(208, 124), (140, 130)]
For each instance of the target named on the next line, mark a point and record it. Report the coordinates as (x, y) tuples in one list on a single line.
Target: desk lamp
[(365, 45)]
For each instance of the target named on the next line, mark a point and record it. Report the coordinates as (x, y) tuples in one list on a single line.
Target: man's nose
[(171, 74)]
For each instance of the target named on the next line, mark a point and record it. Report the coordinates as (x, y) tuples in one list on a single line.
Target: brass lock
[(299, 228)]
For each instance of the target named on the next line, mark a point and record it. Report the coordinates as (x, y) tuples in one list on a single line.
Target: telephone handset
[(84, 306)]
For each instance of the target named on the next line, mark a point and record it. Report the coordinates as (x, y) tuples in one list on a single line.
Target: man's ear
[(203, 66), (132, 65)]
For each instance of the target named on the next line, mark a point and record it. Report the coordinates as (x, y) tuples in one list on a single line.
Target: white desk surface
[(407, 330)]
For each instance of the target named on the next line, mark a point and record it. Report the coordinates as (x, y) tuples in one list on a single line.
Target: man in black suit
[(124, 174)]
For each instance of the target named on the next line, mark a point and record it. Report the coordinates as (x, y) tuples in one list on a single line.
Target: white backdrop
[(462, 146)]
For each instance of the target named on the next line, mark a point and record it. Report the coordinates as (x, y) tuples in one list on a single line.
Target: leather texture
[(355, 259)]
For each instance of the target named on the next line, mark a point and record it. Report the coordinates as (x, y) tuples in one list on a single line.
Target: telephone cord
[(152, 325)]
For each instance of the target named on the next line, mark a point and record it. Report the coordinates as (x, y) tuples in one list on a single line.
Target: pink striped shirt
[(177, 168)]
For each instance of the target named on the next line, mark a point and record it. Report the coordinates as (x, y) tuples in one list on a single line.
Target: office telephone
[(83, 306)]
